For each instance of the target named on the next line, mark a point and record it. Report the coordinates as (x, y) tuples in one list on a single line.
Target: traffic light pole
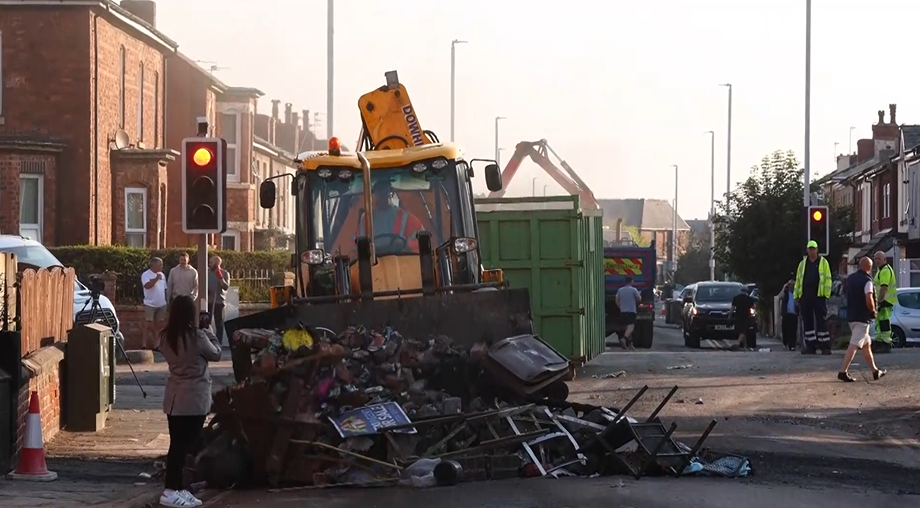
[(203, 274)]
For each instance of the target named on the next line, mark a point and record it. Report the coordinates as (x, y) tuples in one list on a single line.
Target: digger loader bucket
[(485, 315)]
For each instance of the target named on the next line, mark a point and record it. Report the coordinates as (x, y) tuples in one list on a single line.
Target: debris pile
[(366, 407)]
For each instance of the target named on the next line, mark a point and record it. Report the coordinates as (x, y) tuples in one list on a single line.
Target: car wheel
[(900, 338)]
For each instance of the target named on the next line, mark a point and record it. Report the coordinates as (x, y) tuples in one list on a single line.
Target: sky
[(621, 89)]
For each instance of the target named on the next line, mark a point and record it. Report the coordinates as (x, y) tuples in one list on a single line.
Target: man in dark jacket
[(861, 310), (790, 317)]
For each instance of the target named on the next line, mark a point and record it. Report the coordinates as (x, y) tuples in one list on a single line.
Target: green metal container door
[(553, 249)]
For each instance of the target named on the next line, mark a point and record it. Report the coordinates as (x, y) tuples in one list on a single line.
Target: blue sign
[(370, 420)]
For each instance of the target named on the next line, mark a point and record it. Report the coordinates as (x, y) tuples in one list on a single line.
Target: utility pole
[(674, 225), (712, 206), (497, 156), (330, 72), (453, 82), (728, 156), (806, 197), (850, 150)]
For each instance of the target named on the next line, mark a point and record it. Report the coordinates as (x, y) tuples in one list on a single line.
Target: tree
[(635, 236), (693, 264), (760, 236)]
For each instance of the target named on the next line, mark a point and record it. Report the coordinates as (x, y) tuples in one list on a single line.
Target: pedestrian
[(812, 289), (628, 299), (861, 310), (182, 280), (790, 316), (887, 285), (743, 312), (218, 283), (188, 347), (154, 284)]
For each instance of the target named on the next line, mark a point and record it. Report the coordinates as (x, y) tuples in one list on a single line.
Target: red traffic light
[(817, 215), (202, 157)]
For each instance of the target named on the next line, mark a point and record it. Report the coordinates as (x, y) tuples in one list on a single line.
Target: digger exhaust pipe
[(368, 204)]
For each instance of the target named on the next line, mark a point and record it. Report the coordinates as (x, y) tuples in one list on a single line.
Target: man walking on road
[(860, 312), (790, 317), (218, 283), (812, 289), (154, 283), (887, 286), (182, 280), (628, 298)]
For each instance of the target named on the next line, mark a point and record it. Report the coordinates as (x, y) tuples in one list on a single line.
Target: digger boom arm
[(539, 151)]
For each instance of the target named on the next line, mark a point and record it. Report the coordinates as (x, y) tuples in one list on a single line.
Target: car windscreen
[(716, 294), (36, 257)]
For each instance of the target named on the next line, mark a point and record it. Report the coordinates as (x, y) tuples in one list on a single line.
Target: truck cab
[(639, 263)]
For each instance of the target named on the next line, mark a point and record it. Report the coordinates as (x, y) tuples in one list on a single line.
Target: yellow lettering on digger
[(414, 128)]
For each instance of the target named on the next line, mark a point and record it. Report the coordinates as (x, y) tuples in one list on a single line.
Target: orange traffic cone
[(31, 464)]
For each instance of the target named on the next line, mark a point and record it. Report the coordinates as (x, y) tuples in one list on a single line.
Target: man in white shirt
[(154, 283)]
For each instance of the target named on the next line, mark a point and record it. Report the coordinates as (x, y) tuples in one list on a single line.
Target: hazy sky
[(621, 89)]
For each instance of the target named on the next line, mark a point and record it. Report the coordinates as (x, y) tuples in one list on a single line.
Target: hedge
[(127, 263)]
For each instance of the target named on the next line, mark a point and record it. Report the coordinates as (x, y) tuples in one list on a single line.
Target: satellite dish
[(121, 139)]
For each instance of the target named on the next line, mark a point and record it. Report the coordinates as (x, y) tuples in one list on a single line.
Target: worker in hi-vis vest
[(812, 289), (887, 287)]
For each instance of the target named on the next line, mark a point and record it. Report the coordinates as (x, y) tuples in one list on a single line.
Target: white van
[(31, 254)]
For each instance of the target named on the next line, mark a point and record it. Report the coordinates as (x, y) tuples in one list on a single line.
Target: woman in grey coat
[(187, 397)]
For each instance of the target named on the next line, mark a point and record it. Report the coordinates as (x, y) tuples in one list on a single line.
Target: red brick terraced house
[(82, 134), (882, 183)]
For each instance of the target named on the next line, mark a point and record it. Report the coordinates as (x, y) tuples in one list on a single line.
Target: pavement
[(813, 441), (116, 466)]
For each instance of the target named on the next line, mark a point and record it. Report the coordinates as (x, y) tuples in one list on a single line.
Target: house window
[(156, 109), (230, 240), (31, 206), (886, 201), (121, 87), (866, 206), (140, 102), (136, 216), (230, 130)]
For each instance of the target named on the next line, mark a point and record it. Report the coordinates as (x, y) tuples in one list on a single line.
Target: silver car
[(905, 318)]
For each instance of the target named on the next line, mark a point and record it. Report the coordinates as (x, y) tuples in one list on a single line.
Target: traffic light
[(204, 185), (818, 229)]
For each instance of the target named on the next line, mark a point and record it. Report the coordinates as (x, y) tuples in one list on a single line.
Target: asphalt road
[(812, 440)]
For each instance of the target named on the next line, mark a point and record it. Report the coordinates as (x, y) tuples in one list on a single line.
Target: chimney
[(143, 9), (288, 108), (893, 114), (295, 118), (865, 150), (275, 103), (881, 117), (306, 119)]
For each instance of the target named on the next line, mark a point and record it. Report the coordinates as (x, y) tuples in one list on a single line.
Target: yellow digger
[(387, 236)]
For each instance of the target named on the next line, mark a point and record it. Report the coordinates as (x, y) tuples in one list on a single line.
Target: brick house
[(82, 121), (274, 145)]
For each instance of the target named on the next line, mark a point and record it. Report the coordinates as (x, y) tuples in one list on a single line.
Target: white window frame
[(134, 231), (866, 206), (233, 168), (231, 233), (140, 102), (41, 205), (886, 200)]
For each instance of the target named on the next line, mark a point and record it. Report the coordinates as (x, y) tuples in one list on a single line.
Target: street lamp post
[(712, 206), (674, 225), (728, 156), (850, 148), (453, 82), (330, 45), (544, 191), (497, 156), (533, 187), (806, 195)]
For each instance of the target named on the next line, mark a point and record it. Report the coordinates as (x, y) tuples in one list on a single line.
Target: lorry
[(421, 273), (640, 263)]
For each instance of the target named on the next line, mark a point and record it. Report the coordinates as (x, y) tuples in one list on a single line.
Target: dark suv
[(707, 312)]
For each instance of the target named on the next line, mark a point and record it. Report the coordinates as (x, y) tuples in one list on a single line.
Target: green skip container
[(555, 250)]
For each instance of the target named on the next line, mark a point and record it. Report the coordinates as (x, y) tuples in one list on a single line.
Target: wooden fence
[(41, 299)]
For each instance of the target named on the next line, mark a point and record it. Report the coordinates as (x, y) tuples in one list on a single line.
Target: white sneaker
[(175, 499), (191, 497)]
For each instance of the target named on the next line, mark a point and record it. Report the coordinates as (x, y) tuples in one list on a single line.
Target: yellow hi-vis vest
[(824, 278), (886, 277)]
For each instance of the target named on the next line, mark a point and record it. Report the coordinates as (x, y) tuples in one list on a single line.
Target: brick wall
[(131, 319), (44, 370)]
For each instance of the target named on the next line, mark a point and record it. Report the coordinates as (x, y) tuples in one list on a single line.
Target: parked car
[(707, 312), (32, 254), (905, 318)]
